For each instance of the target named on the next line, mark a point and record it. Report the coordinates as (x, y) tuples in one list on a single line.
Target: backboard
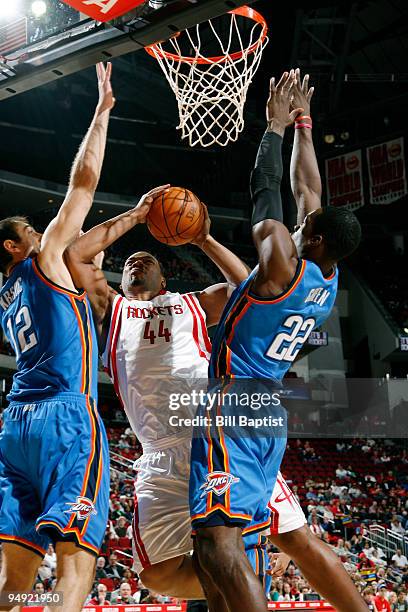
[(44, 41)]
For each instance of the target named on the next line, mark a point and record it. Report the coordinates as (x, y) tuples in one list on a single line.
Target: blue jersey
[(53, 335), (261, 337)]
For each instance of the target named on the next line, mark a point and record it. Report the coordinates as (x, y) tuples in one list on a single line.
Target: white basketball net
[(211, 96)]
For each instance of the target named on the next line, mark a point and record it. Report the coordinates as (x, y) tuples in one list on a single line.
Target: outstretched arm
[(80, 255), (304, 170), (84, 179), (214, 298), (231, 267), (276, 250)]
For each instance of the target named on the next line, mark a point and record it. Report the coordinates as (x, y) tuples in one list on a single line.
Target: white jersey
[(156, 348)]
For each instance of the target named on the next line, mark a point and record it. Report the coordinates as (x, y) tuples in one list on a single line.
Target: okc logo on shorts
[(218, 483), (83, 508)]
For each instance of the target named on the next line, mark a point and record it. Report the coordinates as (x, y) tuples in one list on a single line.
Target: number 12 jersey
[(52, 333)]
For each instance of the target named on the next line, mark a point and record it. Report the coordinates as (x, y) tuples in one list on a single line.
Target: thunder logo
[(218, 483)]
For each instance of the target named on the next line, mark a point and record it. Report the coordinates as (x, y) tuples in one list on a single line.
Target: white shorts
[(287, 514), (161, 524)]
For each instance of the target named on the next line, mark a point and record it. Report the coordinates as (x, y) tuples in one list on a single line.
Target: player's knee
[(14, 580), (73, 563), (293, 541), (18, 569), (154, 578), (162, 575), (217, 556)]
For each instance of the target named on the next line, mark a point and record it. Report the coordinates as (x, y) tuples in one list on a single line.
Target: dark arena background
[(347, 393)]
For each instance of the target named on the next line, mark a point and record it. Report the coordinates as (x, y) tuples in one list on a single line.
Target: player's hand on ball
[(301, 93), (280, 95), (106, 97), (200, 239), (279, 564), (147, 200)]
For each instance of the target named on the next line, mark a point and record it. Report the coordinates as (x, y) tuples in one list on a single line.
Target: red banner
[(344, 180), (386, 169), (104, 10)]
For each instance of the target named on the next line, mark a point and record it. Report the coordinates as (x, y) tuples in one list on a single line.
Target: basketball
[(176, 217)]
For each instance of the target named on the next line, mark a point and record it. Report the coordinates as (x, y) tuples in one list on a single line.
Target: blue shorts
[(255, 549), (232, 479), (54, 474)]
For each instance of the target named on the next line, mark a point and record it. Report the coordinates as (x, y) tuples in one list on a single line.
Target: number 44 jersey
[(52, 333), (157, 350), (261, 337)]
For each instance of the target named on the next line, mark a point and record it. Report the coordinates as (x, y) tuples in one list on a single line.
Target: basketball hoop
[(211, 91)]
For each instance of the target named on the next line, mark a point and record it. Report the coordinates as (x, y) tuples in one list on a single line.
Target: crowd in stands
[(355, 484)]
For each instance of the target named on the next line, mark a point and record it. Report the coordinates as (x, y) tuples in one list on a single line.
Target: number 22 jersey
[(261, 337)]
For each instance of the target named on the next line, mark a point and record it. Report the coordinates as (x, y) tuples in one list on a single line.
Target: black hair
[(8, 231), (340, 229)]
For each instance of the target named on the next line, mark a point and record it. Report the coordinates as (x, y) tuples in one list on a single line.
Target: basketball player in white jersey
[(151, 341), (154, 343)]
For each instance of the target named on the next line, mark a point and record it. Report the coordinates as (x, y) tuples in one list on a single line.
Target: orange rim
[(243, 11)]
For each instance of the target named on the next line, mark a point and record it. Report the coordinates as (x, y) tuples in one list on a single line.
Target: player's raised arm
[(276, 250), (80, 255), (304, 170), (84, 179), (214, 298), (231, 267)]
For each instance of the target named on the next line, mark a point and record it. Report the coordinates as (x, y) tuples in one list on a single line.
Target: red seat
[(109, 583), (124, 543)]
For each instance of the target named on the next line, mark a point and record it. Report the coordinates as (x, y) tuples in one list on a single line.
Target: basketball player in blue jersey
[(54, 461), (264, 325)]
